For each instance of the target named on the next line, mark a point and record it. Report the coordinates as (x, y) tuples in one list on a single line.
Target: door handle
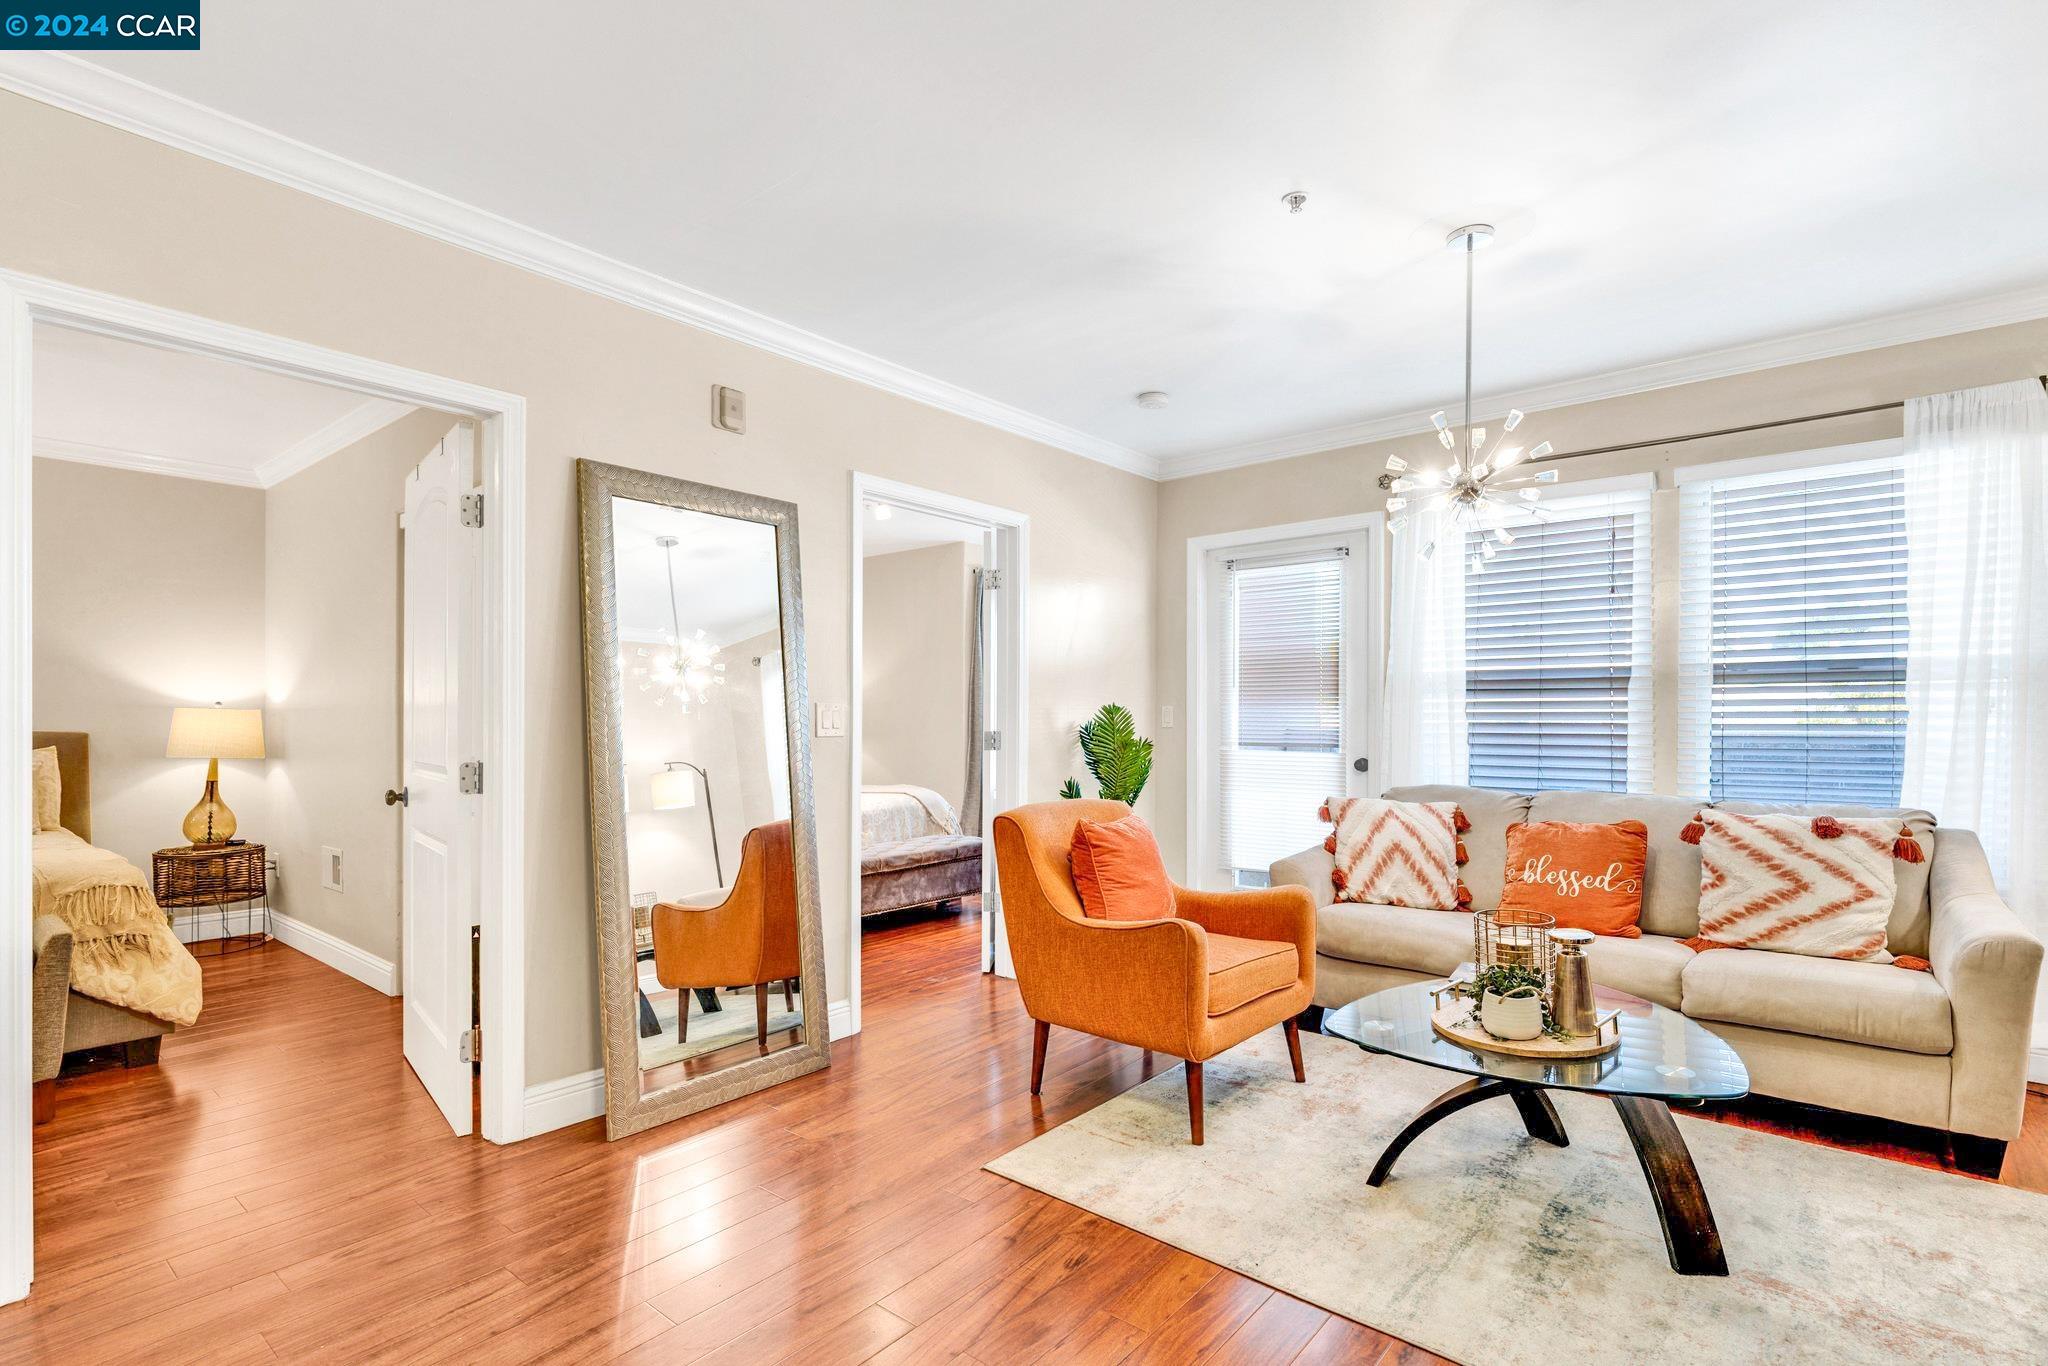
[(401, 797)]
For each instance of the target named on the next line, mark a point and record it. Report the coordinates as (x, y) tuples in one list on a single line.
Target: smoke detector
[(1152, 398)]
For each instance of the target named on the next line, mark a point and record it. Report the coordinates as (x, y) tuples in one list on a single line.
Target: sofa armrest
[(1138, 982), (50, 996), (1311, 868), (1287, 914), (1988, 964)]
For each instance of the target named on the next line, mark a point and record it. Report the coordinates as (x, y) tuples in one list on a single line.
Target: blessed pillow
[(1589, 877), (1822, 887), (1118, 871), (47, 785), (1397, 853)]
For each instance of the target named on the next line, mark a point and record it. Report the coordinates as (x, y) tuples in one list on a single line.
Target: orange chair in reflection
[(742, 936)]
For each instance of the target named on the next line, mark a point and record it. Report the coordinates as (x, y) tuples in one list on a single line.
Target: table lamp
[(213, 733)]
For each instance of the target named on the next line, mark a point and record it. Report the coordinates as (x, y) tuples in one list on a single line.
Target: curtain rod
[(1734, 431)]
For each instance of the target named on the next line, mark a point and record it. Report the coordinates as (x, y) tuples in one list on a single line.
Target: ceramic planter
[(1518, 1015)]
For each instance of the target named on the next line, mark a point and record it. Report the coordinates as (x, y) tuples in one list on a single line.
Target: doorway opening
[(211, 586), (938, 713)]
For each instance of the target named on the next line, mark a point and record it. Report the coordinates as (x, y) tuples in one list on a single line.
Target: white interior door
[(440, 842), (995, 946), (1289, 698)]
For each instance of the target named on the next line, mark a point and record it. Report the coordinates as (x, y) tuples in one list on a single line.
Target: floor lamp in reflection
[(675, 790)]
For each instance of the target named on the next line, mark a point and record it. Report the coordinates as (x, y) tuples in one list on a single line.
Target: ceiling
[(105, 401), (1030, 213), (724, 573)]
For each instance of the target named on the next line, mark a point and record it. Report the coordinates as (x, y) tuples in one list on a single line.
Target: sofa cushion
[(1671, 879), (1826, 998), (1486, 843), (1586, 877), (1907, 930), (1118, 872), (1395, 853), (1395, 936), (1651, 967), (1791, 884), (1242, 970)]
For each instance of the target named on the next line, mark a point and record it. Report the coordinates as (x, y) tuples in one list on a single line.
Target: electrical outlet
[(330, 868), (728, 409)]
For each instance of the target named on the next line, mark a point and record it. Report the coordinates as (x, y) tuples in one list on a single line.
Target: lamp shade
[(674, 789), (215, 733)]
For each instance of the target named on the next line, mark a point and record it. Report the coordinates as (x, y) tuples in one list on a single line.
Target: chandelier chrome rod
[(1469, 240)]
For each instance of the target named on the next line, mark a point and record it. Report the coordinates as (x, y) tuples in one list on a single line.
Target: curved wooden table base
[(1690, 1238)]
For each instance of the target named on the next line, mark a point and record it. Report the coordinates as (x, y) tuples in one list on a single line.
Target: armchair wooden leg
[(46, 1100), (1039, 1030), (1194, 1070), (789, 993), (682, 1016), (1294, 1048), (761, 1012)]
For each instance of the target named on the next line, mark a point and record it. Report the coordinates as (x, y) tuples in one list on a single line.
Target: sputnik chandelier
[(679, 669), (1480, 490)]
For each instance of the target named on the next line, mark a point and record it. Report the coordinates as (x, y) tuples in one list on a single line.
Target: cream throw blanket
[(122, 949)]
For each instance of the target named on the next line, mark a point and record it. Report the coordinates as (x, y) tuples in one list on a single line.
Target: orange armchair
[(745, 936), (1223, 967)]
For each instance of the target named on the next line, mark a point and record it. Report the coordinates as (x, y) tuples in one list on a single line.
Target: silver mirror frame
[(626, 1109)]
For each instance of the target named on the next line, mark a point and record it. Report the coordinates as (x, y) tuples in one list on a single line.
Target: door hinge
[(473, 1045), (472, 509), (992, 579), (991, 739), (470, 777)]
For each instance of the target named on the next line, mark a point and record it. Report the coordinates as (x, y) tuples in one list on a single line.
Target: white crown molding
[(1896, 329), (108, 97), (370, 416), (78, 452)]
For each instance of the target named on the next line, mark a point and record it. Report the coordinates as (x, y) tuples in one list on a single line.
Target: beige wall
[(1341, 482), (102, 209), (185, 628), (915, 620), (333, 562)]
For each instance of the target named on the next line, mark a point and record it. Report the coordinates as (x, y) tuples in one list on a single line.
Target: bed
[(912, 851), (128, 979)]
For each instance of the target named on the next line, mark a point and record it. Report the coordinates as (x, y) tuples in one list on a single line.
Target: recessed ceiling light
[(1152, 398), (883, 512)]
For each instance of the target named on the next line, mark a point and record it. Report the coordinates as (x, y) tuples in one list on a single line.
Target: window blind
[(1283, 689), (1792, 621), (1557, 650)]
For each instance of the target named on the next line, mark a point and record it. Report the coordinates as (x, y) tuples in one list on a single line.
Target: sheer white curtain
[(1424, 724), (1977, 644)]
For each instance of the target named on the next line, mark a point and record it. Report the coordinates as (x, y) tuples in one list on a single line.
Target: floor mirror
[(703, 833)]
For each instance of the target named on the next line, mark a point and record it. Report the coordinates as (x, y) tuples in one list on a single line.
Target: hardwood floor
[(281, 1189)]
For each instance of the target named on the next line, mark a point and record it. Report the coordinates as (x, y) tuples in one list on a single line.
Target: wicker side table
[(233, 874)]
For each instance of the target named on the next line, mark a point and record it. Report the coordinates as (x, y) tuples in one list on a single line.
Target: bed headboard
[(74, 766)]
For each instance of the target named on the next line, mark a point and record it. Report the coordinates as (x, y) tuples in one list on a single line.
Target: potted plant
[(1510, 1002), (1119, 757)]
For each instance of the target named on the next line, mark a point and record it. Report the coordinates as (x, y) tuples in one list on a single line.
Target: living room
[(1497, 655)]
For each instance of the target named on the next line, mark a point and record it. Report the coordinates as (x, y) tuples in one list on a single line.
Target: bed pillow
[(1821, 886), (1118, 871), (1397, 853), (45, 811), (1587, 877)]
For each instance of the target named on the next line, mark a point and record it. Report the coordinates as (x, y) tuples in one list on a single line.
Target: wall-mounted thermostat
[(728, 409)]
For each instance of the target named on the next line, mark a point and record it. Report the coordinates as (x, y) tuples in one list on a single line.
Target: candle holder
[(1514, 939)]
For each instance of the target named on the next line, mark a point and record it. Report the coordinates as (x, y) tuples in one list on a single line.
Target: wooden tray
[(1449, 1021)]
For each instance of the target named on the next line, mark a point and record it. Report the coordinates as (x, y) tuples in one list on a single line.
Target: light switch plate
[(1166, 718), (831, 719), (728, 409)]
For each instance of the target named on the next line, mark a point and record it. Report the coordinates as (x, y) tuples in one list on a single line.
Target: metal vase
[(1571, 983)]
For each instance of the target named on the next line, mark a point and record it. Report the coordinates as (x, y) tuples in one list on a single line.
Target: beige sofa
[(1946, 1049)]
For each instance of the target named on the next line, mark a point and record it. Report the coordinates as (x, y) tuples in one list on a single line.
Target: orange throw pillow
[(1118, 871), (1590, 877)]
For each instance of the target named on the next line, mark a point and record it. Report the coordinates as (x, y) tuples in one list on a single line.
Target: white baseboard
[(199, 926), (2037, 1064), (839, 1020), (564, 1101)]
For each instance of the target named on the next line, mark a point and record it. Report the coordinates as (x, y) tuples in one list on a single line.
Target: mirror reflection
[(705, 747)]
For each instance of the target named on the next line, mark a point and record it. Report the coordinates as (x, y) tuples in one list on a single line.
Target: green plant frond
[(1071, 790), (1116, 755)]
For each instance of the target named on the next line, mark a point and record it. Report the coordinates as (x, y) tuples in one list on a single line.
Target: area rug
[(718, 1029), (1487, 1246)]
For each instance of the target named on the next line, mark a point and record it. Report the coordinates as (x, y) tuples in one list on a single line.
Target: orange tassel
[(1695, 830), (1459, 821), (1463, 857), (1906, 849), (1330, 845), (1912, 962), (1323, 812), (1827, 827), (1701, 945), (1464, 896), (1337, 878)]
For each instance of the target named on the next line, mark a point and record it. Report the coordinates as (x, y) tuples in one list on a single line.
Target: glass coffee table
[(1662, 1057)]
